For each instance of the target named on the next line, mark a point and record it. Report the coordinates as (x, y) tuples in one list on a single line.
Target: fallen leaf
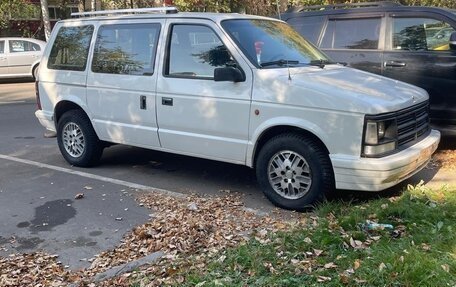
[(356, 264), (381, 266), (317, 252), (307, 240), (88, 187), (446, 267), (323, 279), (330, 265)]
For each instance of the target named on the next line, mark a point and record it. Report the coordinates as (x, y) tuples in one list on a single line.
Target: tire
[(294, 172), (77, 140)]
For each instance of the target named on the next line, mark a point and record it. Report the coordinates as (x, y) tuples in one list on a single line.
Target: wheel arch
[(270, 131), (65, 106)]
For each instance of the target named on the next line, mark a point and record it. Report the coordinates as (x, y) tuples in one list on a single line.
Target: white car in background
[(20, 57)]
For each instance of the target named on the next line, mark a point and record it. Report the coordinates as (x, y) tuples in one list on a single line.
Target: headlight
[(380, 137)]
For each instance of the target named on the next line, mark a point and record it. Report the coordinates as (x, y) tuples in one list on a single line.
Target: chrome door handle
[(395, 64)]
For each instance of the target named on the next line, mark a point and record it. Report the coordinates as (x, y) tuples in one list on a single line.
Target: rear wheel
[(294, 172), (77, 139)]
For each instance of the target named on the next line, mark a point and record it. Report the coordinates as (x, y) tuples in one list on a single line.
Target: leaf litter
[(180, 227)]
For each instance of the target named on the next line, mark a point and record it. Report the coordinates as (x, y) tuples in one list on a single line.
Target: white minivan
[(235, 88)]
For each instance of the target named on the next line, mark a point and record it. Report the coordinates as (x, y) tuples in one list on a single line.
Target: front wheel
[(294, 172), (77, 139)]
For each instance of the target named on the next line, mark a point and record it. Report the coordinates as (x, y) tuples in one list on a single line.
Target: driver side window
[(421, 34), (195, 51)]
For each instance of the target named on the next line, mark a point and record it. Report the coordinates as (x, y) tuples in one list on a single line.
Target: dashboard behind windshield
[(269, 43)]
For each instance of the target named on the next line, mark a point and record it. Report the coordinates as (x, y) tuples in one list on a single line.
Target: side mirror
[(453, 41), (228, 74)]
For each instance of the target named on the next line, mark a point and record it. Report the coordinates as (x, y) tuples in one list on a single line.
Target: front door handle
[(167, 101), (395, 64)]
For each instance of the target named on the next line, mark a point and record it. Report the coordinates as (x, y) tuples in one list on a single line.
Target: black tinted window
[(420, 34), (70, 49), (22, 46), (352, 34), (195, 51), (309, 27), (126, 49), (2, 47)]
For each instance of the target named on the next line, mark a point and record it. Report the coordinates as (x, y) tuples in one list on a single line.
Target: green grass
[(424, 254)]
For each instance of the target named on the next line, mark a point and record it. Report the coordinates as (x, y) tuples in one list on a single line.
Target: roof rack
[(343, 6), (166, 10)]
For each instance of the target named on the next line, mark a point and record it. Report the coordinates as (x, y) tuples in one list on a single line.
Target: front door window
[(195, 51), (421, 34)]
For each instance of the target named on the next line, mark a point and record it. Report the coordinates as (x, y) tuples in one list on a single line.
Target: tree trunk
[(93, 5), (81, 6), (46, 22)]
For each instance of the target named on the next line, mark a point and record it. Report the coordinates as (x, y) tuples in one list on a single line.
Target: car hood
[(336, 88)]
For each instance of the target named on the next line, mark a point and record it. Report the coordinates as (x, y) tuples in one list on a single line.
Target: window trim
[(167, 52), (381, 37), (92, 58)]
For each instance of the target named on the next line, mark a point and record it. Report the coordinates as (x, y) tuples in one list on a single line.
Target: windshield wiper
[(320, 63), (280, 62)]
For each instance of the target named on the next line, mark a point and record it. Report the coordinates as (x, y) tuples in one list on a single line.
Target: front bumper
[(46, 120), (375, 174)]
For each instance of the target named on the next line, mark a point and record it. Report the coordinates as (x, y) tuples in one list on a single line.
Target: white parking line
[(93, 176), (112, 180)]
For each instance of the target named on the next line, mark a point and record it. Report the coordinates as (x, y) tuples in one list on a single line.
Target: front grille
[(412, 124)]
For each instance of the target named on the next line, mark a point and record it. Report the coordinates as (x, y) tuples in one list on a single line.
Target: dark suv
[(416, 45)]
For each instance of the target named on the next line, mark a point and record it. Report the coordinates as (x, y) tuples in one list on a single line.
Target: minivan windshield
[(273, 44)]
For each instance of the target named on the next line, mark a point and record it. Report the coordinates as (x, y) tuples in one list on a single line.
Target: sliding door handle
[(143, 102), (167, 101)]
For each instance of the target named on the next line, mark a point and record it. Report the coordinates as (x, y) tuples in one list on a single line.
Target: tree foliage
[(16, 9)]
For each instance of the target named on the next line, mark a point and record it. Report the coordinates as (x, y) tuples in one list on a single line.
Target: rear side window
[(23, 46), (352, 34), (421, 34), (309, 27), (70, 48), (2, 47), (126, 49)]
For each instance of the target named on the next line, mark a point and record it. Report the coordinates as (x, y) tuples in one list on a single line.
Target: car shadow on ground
[(213, 175), (16, 81)]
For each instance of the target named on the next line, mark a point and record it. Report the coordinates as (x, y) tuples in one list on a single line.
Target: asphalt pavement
[(38, 188)]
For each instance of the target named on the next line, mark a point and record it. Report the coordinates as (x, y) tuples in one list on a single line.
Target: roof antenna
[(278, 9), (289, 73)]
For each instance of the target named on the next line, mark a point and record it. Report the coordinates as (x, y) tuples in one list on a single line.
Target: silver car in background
[(20, 57)]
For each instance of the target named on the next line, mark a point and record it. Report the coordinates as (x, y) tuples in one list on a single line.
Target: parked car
[(409, 44), (235, 88), (20, 57)]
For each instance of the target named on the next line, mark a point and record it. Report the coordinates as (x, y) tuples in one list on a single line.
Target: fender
[(72, 99), (282, 121)]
